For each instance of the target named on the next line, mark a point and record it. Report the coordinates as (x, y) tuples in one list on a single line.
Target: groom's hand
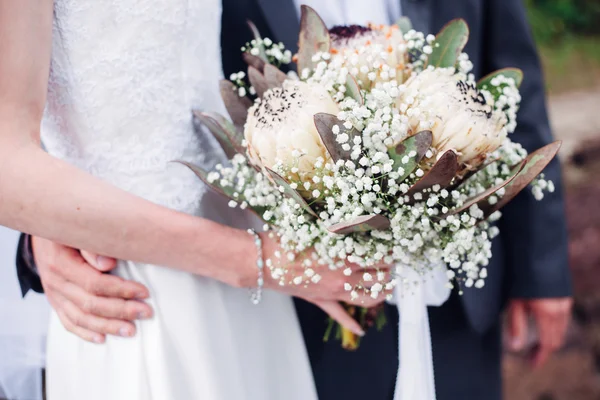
[(89, 302), (551, 318)]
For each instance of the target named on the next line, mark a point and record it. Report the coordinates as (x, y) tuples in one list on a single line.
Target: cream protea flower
[(459, 116), (371, 54), (280, 130)]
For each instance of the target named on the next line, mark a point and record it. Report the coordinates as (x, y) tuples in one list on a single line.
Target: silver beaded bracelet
[(256, 294)]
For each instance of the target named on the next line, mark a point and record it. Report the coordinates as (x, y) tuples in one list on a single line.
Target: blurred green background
[(568, 35)]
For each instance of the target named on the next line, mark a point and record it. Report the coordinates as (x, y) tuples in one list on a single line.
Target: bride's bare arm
[(47, 197), (44, 196)]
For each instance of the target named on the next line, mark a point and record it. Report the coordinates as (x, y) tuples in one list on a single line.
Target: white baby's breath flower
[(377, 287)]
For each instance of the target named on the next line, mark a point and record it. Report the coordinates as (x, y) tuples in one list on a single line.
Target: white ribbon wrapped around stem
[(413, 294)]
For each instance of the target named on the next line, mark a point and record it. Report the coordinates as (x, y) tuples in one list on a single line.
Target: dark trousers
[(467, 365)]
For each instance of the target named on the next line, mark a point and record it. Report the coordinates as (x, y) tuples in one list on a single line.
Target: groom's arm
[(533, 232)]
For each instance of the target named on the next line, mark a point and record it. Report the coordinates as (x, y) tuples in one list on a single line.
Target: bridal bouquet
[(382, 149)]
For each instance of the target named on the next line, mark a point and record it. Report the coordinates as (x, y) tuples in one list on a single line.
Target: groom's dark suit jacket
[(530, 255)]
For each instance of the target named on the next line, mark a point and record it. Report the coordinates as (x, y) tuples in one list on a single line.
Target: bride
[(108, 87)]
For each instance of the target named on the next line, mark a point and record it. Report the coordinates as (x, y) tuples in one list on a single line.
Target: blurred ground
[(571, 63), (573, 374)]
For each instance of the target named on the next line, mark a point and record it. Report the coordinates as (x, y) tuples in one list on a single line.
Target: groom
[(528, 274)]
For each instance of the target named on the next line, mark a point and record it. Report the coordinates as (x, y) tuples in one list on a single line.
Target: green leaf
[(236, 106), (314, 37), (261, 47), (352, 89), (223, 130), (442, 173), (448, 44), (290, 192), (324, 123), (419, 143), (381, 320), (515, 73), (258, 81), (404, 24), (533, 165), (330, 323), (485, 83), (363, 223)]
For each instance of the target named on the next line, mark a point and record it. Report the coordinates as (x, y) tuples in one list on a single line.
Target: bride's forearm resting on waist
[(47, 197), (44, 196)]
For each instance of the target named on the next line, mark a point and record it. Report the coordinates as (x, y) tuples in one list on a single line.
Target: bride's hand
[(331, 289), (90, 303)]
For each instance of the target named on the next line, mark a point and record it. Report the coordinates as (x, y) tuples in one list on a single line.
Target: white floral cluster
[(275, 53), (505, 97), (243, 89), (378, 85)]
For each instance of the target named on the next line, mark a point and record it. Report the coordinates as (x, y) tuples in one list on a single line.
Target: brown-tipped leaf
[(324, 123), (534, 164), (254, 61), (449, 43), (262, 54), (352, 89), (290, 192), (258, 81), (460, 180), (274, 76), (442, 173), (203, 175), (236, 106), (363, 223), (223, 130), (481, 199), (314, 37), (419, 143)]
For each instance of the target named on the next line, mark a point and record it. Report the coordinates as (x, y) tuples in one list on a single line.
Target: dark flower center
[(276, 105), (347, 31), (471, 96)]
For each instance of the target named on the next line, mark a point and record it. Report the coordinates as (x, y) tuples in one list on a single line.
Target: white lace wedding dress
[(125, 75)]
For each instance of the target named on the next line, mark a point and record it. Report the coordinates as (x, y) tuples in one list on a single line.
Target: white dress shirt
[(358, 12)]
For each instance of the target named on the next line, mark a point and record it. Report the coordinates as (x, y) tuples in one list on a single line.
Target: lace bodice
[(125, 75)]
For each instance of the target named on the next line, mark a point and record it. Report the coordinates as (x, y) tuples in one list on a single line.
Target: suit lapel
[(283, 20), (419, 12)]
